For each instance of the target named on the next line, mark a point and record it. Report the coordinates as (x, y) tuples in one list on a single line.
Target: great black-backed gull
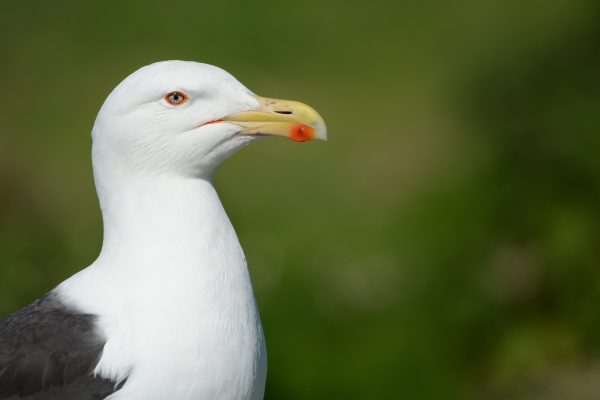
[(167, 311)]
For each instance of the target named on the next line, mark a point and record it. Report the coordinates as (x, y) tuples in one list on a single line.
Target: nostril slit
[(283, 112)]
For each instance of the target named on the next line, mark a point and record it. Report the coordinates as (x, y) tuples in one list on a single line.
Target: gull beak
[(287, 118)]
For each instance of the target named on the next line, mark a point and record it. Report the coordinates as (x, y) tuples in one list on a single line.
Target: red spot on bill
[(301, 133)]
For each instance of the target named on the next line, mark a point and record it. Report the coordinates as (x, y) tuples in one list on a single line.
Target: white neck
[(173, 291), (164, 223)]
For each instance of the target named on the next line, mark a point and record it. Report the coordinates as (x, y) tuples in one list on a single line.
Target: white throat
[(173, 293)]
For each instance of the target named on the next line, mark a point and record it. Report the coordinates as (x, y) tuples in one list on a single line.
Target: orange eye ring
[(176, 98)]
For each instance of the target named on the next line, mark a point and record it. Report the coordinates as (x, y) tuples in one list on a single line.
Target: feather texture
[(48, 351)]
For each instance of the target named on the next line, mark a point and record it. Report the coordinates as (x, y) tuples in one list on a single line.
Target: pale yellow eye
[(176, 98)]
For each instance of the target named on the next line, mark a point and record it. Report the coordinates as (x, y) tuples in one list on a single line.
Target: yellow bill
[(287, 118)]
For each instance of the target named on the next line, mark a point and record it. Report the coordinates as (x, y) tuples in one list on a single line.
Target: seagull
[(167, 310)]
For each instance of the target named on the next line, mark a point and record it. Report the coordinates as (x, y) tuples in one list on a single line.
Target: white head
[(184, 118), (169, 250)]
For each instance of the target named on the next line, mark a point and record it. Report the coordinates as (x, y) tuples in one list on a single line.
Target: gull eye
[(176, 98)]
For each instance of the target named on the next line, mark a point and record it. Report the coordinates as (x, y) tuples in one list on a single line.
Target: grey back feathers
[(48, 351)]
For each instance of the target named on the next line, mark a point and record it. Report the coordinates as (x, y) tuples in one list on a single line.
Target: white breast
[(175, 299)]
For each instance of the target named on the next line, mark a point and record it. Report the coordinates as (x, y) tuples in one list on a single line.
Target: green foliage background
[(444, 244)]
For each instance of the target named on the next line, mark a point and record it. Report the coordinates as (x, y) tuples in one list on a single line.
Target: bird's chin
[(232, 145)]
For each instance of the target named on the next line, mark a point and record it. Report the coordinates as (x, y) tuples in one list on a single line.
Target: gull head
[(184, 118)]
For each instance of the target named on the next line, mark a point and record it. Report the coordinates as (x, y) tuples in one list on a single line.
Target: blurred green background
[(444, 244)]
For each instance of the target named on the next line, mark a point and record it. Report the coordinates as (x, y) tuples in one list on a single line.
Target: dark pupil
[(175, 97)]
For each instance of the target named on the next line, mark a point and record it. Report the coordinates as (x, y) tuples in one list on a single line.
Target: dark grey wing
[(48, 351)]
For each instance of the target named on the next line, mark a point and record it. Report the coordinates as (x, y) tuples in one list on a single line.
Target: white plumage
[(171, 286)]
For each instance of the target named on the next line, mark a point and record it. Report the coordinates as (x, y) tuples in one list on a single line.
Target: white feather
[(171, 285)]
